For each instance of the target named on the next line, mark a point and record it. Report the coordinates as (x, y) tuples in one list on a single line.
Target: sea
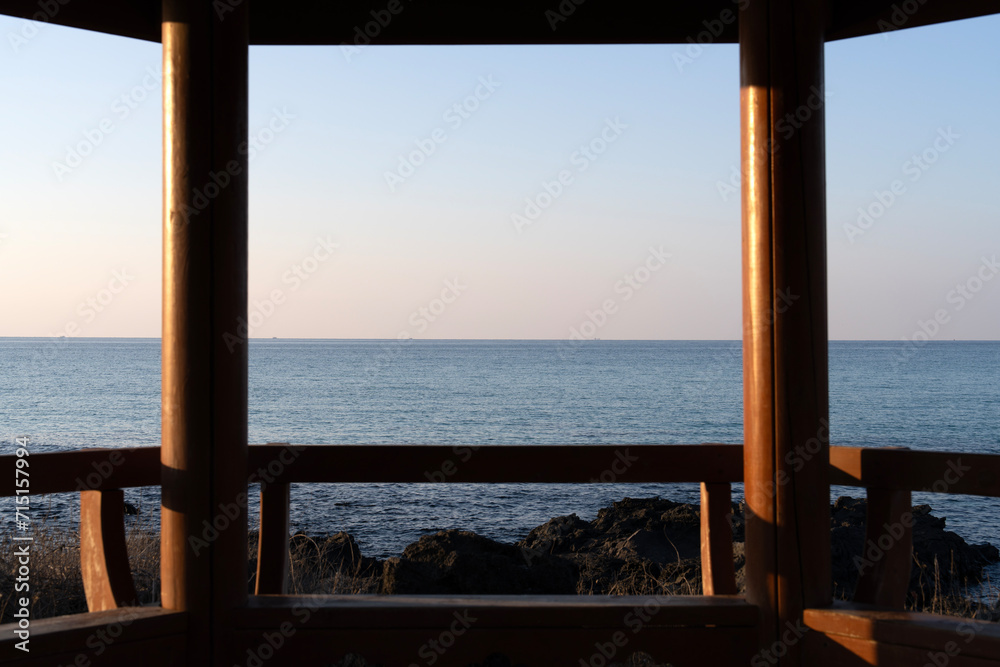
[(71, 393)]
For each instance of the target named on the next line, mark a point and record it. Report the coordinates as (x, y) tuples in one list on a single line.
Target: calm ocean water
[(73, 393)]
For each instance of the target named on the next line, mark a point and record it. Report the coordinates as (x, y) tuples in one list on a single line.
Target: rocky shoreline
[(635, 546)]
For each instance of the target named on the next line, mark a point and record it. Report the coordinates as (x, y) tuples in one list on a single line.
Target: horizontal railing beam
[(85, 470), (497, 463), (890, 469), (912, 470)]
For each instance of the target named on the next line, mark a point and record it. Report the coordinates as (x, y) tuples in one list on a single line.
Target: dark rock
[(563, 534), (634, 546), (333, 554), (458, 561), (650, 529), (131, 510), (652, 545)]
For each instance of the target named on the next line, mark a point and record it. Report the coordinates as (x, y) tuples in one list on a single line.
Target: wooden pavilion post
[(204, 403), (786, 401)]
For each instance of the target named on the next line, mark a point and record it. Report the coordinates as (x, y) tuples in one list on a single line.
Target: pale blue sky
[(661, 184)]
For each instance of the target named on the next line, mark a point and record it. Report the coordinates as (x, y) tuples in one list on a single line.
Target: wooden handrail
[(498, 463), (888, 475), (891, 469), (85, 469), (914, 470)]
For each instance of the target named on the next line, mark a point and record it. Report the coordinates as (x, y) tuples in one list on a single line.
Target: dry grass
[(55, 583), (312, 570), (964, 605)]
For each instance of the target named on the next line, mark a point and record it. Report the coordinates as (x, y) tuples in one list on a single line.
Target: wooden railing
[(888, 475), (714, 466)]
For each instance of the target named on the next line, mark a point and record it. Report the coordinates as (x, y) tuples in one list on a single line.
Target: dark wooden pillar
[(204, 404), (786, 403)]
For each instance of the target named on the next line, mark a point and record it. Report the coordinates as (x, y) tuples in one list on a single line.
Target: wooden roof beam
[(403, 22)]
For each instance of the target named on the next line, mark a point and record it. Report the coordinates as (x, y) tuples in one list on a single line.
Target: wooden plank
[(89, 632), (888, 526), (515, 22), (786, 405), (912, 470), (925, 632), (718, 568), (73, 471), (430, 611), (204, 403), (272, 544), (107, 579), (155, 652), (499, 463), (823, 650), (854, 18), (139, 19), (63, 472), (572, 647), (537, 630)]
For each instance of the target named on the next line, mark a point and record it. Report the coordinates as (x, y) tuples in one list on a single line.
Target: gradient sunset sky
[(360, 230)]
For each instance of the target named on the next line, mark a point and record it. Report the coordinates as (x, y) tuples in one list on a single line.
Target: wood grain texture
[(107, 579), (71, 472), (879, 629), (950, 472), (204, 361), (911, 470), (823, 650), (786, 403)]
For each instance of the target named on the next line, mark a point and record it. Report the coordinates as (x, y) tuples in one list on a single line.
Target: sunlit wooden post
[(786, 455), (204, 453)]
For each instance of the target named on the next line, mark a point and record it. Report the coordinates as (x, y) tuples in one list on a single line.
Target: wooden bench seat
[(146, 636), (856, 634)]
